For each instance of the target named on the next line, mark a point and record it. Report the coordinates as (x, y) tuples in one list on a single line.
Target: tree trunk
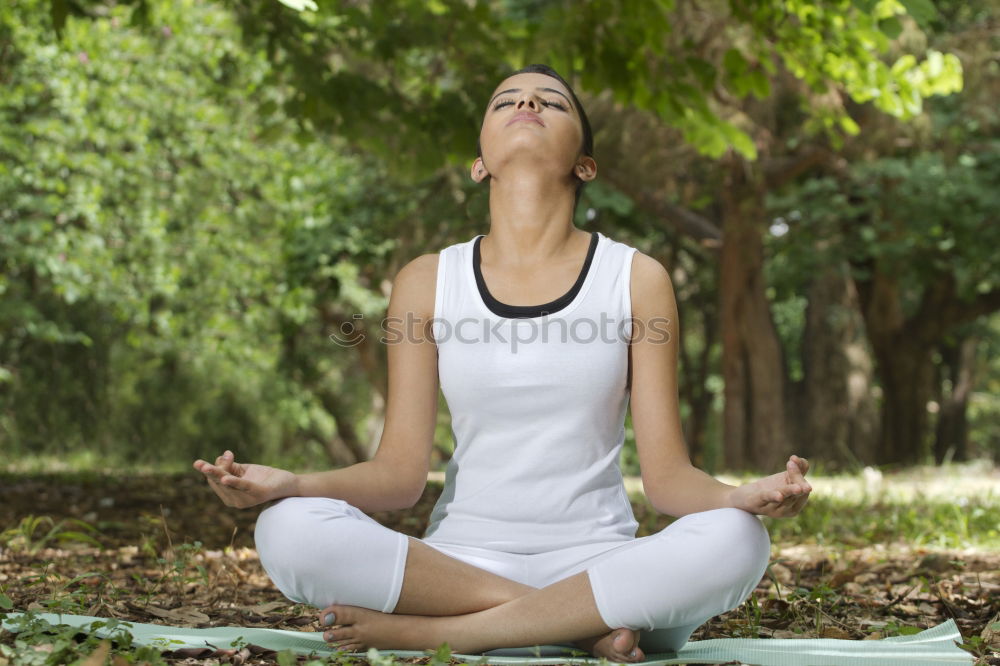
[(695, 389), (755, 432), (346, 437), (952, 434), (837, 416), (907, 373)]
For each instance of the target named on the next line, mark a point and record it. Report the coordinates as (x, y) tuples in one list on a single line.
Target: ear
[(585, 168), (478, 171)]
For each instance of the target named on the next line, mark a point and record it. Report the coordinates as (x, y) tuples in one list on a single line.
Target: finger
[(798, 478), (767, 501), (800, 503), (803, 466), (237, 483), (224, 461), (792, 505), (210, 470), (794, 472)]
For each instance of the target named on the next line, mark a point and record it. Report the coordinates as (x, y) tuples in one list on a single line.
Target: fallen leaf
[(184, 615), (991, 633), (782, 573), (834, 632), (842, 577), (98, 656), (776, 605), (264, 609)]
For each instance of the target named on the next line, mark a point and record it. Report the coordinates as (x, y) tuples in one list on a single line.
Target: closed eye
[(504, 103)]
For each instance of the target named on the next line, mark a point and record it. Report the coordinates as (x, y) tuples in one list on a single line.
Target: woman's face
[(553, 134)]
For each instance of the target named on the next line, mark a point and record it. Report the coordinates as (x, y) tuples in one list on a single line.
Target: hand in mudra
[(244, 485), (780, 495)]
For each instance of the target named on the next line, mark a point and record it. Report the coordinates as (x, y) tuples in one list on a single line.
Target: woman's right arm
[(395, 477)]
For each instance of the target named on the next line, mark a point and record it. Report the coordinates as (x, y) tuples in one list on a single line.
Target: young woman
[(533, 539)]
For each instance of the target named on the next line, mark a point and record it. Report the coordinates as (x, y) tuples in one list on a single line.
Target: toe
[(340, 634), (625, 643)]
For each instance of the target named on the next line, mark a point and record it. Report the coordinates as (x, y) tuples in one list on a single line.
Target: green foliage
[(198, 194), (163, 239), (29, 535), (931, 522), (657, 57), (39, 643)]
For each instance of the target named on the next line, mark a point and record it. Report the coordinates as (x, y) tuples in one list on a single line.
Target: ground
[(162, 549)]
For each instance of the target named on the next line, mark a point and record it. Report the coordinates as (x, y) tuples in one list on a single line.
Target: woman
[(533, 539)]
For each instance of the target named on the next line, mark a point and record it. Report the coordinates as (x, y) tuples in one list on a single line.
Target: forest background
[(205, 204)]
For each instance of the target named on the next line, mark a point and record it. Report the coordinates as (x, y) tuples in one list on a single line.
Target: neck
[(531, 219)]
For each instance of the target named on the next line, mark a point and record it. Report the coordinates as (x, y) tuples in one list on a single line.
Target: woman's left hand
[(780, 495)]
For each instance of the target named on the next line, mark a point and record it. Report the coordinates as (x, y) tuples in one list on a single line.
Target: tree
[(406, 80)]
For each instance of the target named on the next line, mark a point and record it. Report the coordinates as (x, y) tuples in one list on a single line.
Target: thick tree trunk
[(952, 434), (838, 420), (907, 373), (903, 348), (755, 431)]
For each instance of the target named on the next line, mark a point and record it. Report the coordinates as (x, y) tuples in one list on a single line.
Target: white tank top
[(538, 396)]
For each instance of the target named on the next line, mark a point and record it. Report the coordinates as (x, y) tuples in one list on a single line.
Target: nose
[(529, 101)]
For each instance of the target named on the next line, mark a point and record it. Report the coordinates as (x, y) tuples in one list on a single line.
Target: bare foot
[(356, 629), (617, 645)]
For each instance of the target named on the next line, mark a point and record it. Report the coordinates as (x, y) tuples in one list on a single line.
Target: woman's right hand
[(245, 485)]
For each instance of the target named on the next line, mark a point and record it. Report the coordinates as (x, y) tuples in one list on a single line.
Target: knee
[(749, 546), (746, 531), (285, 528), (746, 554), (732, 543)]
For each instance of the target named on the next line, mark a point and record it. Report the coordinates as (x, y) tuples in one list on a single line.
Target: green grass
[(964, 523)]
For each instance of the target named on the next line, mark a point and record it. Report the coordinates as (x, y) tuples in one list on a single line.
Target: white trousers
[(322, 551)]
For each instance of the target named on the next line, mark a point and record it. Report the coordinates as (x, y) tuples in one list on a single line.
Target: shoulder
[(651, 288), (415, 284)]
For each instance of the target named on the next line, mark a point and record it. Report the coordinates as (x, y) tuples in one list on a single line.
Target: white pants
[(322, 551)]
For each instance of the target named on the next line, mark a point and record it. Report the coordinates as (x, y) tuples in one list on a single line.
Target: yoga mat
[(931, 647)]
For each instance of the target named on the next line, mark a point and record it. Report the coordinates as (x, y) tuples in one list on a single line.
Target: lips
[(526, 115)]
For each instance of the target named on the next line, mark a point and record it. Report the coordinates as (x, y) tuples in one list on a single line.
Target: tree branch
[(779, 171), (684, 220)]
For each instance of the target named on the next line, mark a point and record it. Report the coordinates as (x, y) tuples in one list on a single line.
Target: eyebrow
[(514, 90)]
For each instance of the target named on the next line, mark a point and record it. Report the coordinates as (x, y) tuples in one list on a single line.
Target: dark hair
[(588, 136)]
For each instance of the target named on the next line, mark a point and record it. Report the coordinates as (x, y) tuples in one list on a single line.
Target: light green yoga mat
[(931, 647)]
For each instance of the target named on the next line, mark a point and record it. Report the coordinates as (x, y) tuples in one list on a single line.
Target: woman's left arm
[(673, 485)]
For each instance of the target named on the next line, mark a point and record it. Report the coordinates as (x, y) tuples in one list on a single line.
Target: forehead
[(531, 80)]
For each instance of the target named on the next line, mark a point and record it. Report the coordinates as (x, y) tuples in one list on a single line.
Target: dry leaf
[(775, 605), (784, 633), (98, 656), (991, 636), (782, 573), (842, 577), (183, 615), (264, 609), (834, 632)]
